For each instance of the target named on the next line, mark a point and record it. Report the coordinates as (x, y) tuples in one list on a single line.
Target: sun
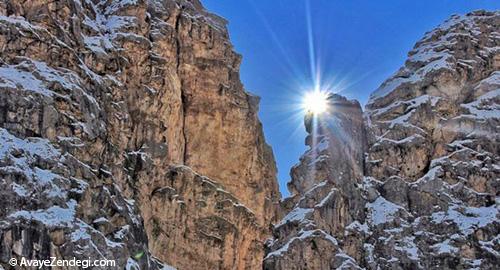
[(315, 102)]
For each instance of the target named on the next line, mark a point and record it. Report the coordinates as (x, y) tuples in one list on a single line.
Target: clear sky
[(356, 45)]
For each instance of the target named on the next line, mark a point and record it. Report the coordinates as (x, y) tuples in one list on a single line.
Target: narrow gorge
[(126, 134)]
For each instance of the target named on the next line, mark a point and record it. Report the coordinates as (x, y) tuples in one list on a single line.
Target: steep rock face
[(99, 102), (187, 209), (429, 194)]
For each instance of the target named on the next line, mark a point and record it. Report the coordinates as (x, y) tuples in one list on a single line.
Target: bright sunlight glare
[(315, 102)]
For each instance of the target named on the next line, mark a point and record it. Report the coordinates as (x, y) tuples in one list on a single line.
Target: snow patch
[(467, 218), (445, 247), (297, 214), (382, 211), (301, 236), (482, 109), (54, 216)]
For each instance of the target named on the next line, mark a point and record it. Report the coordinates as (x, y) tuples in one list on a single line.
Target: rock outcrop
[(125, 133), (326, 197), (425, 196)]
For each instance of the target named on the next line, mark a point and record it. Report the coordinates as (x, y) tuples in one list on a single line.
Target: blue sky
[(356, 45)]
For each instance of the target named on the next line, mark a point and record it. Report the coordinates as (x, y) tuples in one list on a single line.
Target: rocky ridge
[(125, 133), (427, 197)]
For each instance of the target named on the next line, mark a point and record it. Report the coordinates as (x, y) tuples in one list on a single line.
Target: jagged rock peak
[(325, 193), (337, 134)]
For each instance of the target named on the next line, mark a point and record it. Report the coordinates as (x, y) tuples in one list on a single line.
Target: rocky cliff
[(125, 133), (425, 193)]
